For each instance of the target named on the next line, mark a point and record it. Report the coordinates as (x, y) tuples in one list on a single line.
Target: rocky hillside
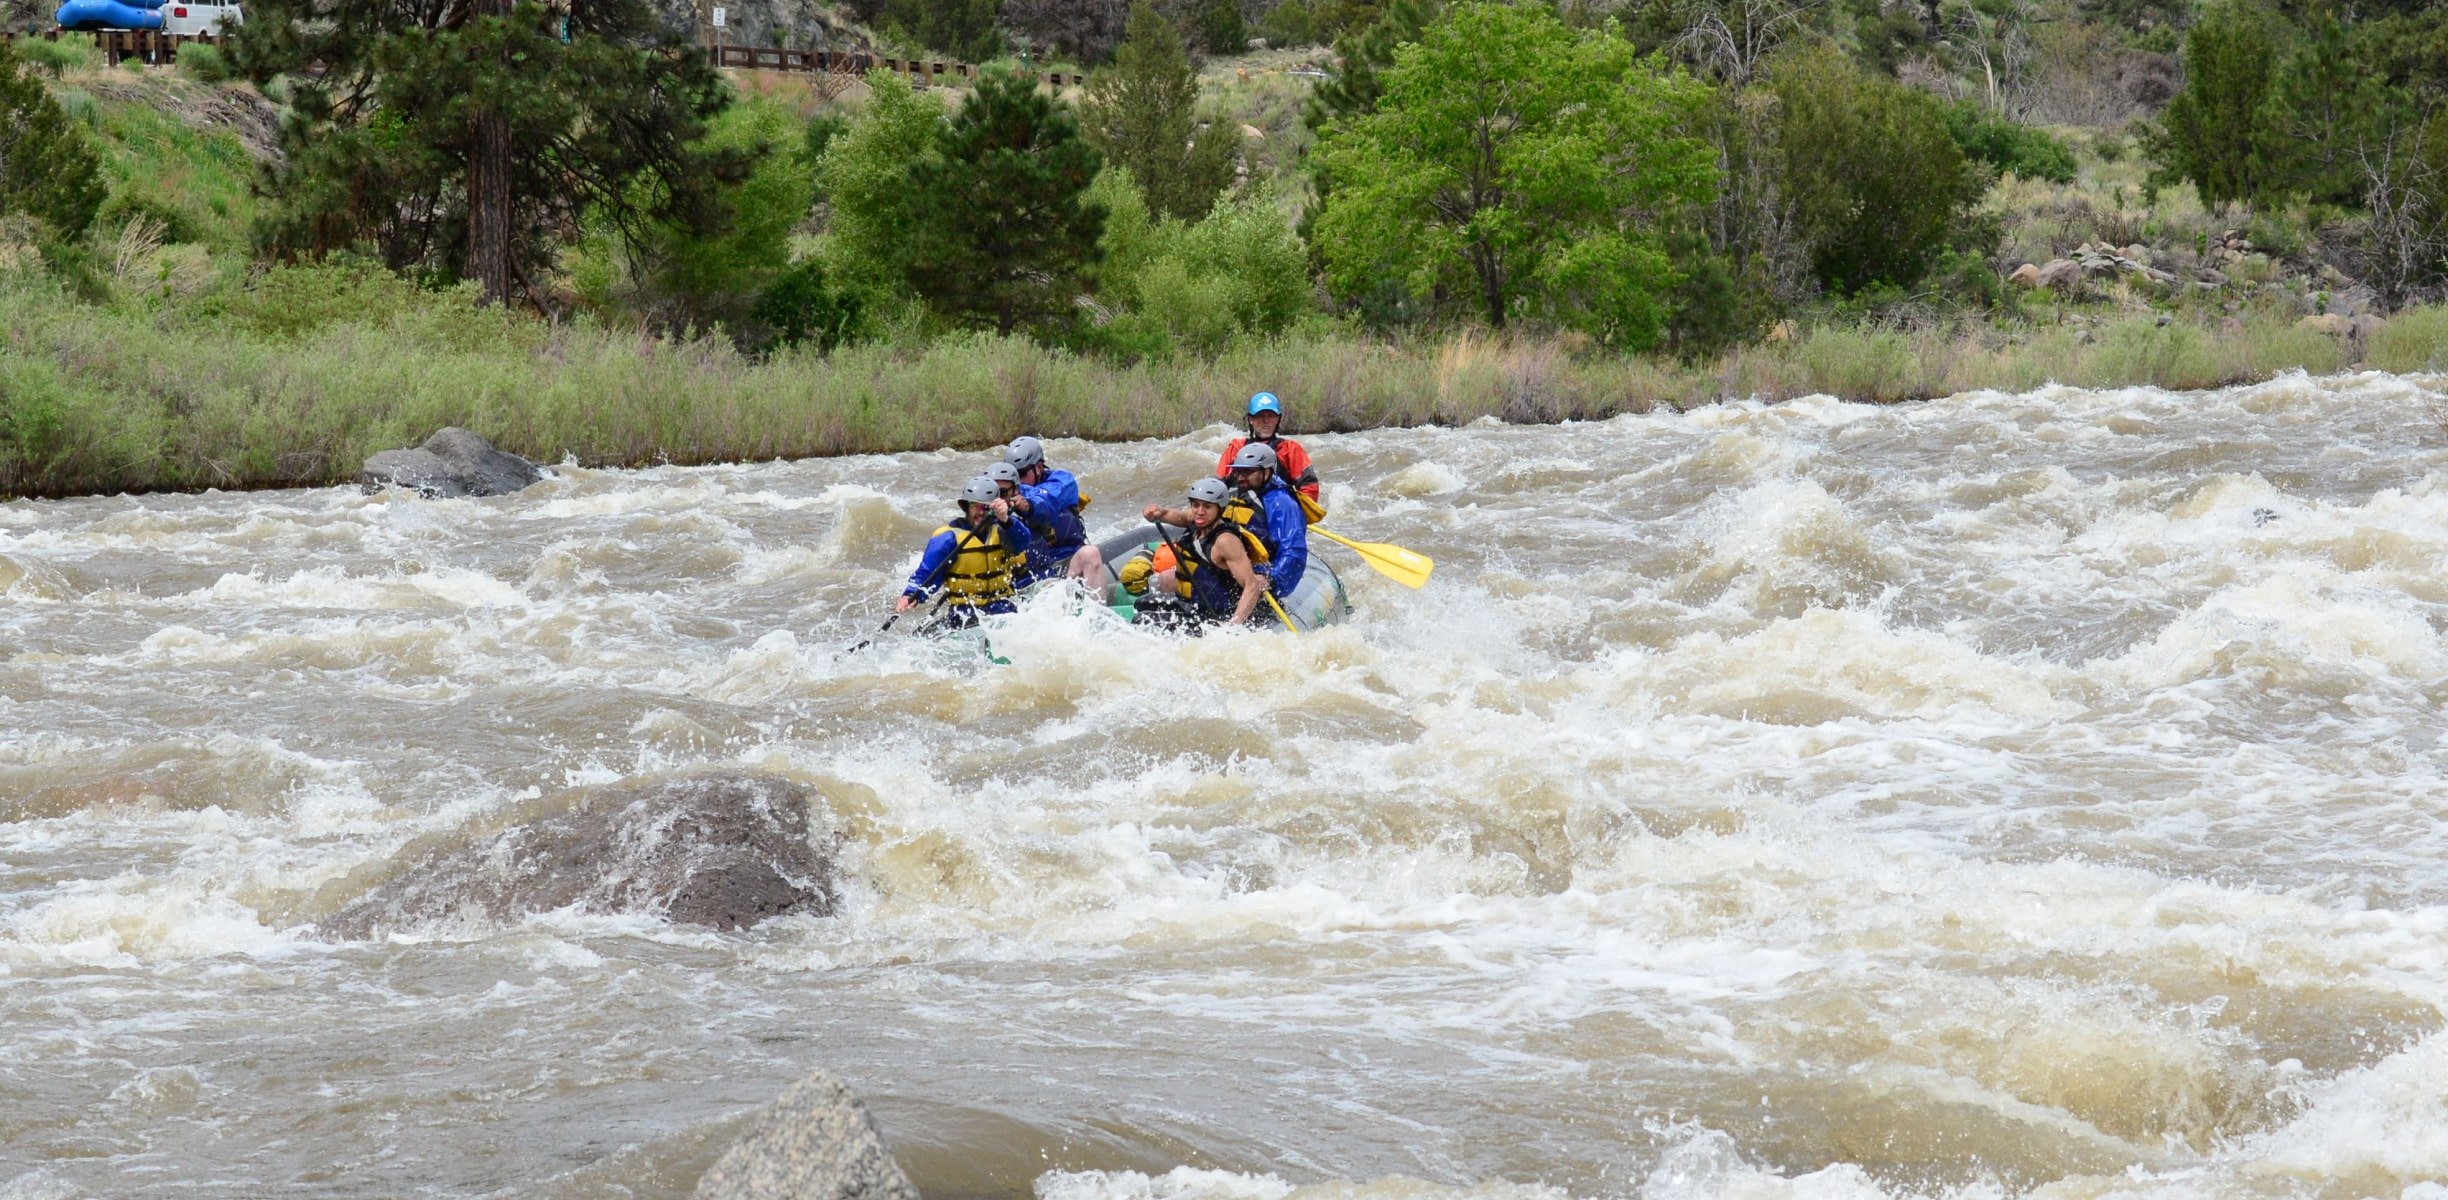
[(796, 24)]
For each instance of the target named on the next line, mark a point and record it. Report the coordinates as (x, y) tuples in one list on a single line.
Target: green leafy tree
[(1141, 112), (864, 177), (47, 169), (1879, 190), (1005, 236), (2213, 132), (463, 139), (1520, 163), (693, 280)]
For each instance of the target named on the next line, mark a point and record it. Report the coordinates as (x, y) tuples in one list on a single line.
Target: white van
[(179, 17)]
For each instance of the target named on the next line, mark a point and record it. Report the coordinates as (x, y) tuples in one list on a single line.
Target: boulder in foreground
[(816, 1143), (451, 464), (721, 850)]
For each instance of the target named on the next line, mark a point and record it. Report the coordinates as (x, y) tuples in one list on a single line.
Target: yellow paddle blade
[(1409, 568)]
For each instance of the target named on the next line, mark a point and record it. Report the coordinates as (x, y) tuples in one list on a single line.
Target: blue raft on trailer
[(109, 14)]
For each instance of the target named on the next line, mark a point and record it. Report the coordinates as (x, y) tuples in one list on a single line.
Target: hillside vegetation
[(210, 277)]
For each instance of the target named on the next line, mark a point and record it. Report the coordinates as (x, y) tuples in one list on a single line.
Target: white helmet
[(1255, 456), (981, 490), (1210, 491)]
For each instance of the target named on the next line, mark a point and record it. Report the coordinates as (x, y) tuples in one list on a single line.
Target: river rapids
[(2008, 795)]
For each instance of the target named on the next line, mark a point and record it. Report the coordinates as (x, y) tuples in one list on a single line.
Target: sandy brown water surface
[(2033, 795)]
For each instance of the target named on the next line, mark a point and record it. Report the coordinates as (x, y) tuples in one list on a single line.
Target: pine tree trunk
[(488, 185)]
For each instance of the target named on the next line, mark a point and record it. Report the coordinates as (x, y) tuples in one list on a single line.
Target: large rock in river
[(451, 463), (723, 850), (816, 1143)]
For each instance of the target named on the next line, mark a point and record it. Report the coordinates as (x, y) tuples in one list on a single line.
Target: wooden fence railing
[(154, 47)]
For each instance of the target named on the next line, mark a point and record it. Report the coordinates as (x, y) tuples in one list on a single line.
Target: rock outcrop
[(725, 851), (816, 1143), (452, 463)]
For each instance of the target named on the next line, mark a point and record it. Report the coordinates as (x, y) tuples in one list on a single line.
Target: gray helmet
[(1210, 491), (980, 490), (1255, 456), (1003, 472), (1024, 452)]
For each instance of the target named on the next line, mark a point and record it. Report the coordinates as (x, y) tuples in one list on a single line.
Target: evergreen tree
[(2326, 101), (1005, 233), (47, 169), (964, 29), (466, 140), (1366, 52), (2213, 132), (1220, 28), (1142, 113)]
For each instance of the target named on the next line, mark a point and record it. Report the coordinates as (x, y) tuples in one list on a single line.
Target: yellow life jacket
[(1196, 555), (980, 572)]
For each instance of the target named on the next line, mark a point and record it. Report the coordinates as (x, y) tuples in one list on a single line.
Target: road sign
[(719, 14)]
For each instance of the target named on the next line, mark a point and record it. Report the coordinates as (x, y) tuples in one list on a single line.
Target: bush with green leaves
[(863, 175), (1196, 285), (700, 279), (1879, 189), (48, 170), (204, 63), (2008, 147), (61, 56), (1522, 168)]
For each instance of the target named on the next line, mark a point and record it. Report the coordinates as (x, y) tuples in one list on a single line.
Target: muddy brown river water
[(2010, 795)]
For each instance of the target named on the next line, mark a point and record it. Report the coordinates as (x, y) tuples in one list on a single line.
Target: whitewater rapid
[(2008, 795)]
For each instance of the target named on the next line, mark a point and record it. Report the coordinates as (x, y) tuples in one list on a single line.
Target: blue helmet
[(1265, 402)]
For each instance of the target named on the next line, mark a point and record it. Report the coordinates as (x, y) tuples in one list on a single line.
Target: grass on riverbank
[(295, 383)]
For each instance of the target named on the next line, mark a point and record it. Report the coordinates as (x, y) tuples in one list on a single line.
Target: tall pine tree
[(1005, 234), (1142, 113), (2213, 131), (463, 138)]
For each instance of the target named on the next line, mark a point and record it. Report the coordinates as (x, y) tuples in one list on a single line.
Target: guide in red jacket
[(1291, 462)]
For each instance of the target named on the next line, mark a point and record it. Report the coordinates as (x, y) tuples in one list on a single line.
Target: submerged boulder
[(452, 463), (816, 1143), (725, 851)]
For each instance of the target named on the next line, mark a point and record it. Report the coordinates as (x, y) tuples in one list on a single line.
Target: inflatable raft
[(1319, 601)]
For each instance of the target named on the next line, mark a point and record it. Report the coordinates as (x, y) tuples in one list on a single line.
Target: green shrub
[(2214, 131), (800, 309), (205, 63), (48, 169), (60, 57), (1239, 270), (2007, 147), (1220, 29), (1878, 185), (1859, 364), (700, 281), (2177, 357), (2413, 340)]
